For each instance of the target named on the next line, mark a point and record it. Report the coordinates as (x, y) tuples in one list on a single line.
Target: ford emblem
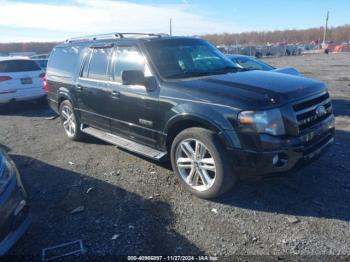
[(321, 111)]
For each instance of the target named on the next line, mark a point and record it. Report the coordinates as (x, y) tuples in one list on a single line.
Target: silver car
[(14, 212)]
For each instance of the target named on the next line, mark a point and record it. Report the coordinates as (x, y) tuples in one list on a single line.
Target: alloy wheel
[(68, 121), (195, 164)]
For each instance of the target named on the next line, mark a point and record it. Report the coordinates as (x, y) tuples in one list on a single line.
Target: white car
[(20, 79)]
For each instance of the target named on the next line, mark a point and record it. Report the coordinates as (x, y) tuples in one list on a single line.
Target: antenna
[(325, 28), (171, 27)]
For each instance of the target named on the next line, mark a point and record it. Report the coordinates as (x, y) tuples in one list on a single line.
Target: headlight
[(6, 172), (268, 122)]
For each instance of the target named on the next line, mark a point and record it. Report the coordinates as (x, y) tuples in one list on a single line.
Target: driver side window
[(127, 58)]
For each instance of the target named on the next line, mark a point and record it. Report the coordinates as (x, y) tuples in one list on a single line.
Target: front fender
[(207, 116)]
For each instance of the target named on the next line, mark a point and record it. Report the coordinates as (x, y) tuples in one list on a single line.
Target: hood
[(288, 70), (250, 89)]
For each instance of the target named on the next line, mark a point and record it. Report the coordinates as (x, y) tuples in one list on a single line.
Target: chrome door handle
[(115, 94)]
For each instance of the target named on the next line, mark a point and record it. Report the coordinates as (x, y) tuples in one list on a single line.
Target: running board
[(124, 143)]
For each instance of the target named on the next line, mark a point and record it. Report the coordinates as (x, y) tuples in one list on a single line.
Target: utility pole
[(171, 27), (325, 28)]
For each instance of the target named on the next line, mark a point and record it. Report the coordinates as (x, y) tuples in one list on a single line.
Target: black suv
[(180, 97)]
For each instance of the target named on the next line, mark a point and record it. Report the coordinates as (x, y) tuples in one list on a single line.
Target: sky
[(57, 20)]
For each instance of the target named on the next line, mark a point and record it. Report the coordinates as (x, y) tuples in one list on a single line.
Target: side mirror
[(133, 77)]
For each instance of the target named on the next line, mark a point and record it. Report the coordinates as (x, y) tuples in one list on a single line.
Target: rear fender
[(64, 94)]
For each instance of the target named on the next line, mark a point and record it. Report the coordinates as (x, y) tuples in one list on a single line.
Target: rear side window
[(63, 61), (99, 64), (18, 66)]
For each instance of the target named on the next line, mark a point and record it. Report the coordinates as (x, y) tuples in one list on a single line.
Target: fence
[(269, 50)]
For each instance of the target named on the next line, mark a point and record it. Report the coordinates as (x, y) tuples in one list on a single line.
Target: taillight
[(5, 78), (46, 86)]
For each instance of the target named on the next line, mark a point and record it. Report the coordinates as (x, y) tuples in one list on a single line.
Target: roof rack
[(113, 36)]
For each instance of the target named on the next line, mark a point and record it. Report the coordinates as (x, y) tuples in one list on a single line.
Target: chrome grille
[(312, 111)]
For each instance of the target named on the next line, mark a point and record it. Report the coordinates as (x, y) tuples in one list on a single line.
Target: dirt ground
[(141, 205)]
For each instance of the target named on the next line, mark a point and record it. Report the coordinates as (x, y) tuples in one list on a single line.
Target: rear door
[(93, 88)]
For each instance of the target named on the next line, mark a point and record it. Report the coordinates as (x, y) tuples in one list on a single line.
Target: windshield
[(183, 58)]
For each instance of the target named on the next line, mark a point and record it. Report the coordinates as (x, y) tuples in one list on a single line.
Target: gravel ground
[(143, 207)]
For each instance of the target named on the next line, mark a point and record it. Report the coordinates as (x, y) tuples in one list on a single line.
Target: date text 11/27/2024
[(172, 258)]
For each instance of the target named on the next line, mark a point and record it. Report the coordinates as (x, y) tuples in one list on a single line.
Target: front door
[(138, 111), (94, 90)]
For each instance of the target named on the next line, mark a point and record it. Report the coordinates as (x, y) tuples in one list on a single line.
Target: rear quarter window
[(9, 66), (64, 61)]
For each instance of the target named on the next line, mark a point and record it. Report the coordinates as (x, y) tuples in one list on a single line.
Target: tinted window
[(18, 66), (98, 67), (127, 58), (63, 61)]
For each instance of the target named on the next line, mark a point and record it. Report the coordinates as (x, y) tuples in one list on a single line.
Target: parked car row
[(278, 49)]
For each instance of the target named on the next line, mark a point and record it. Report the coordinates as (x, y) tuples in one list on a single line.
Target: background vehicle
[(157, 95), (40, 56), (20, 79), (14, 218), (252, 63), (42, 63)]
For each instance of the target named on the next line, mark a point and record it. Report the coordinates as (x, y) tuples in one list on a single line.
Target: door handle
[(79, 88), (115, 94)]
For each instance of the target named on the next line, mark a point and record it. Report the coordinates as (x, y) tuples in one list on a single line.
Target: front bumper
[(14, 218), (291, 152)]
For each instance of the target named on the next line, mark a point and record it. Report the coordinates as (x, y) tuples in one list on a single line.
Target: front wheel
[(199, 159), (69, 121)]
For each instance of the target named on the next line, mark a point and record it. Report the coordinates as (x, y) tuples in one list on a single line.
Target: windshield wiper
[(189, 74), (223, 70), (226, 69)]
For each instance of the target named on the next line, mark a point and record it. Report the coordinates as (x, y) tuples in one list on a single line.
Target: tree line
[(337, 34), (38, 47)]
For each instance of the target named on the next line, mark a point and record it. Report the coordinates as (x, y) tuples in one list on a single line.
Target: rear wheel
[(69, 121), (199, 159)]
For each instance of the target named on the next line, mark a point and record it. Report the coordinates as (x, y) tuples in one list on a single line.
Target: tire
[(207, 174), (72, 127)]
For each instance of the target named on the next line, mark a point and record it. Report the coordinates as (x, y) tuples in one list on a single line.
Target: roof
[(8, 58), (113, 37)]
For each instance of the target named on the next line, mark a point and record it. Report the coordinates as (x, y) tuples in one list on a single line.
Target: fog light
[(20, 207), (275, 160), (280, 160)]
